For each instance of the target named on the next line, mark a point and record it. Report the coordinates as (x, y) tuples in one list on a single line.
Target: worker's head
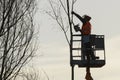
[(86, 17)]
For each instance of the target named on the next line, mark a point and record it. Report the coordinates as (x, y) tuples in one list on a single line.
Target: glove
[(72, 12)]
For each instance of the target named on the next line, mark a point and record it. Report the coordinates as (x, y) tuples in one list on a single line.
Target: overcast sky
[(54, 52)]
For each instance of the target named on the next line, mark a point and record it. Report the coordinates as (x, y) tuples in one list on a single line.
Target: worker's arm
[(79, 17)]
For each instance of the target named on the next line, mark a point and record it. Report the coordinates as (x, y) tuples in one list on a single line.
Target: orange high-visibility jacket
[(86, 28)]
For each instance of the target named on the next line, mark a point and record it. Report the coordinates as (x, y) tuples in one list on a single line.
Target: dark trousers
[(88, 52)]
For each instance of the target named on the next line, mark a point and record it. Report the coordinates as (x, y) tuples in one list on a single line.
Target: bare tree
[(30, 73), (16, 35), (61, 12)]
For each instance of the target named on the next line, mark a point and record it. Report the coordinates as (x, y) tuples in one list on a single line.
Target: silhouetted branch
[(63, 6), (33, 74), (58, 16), (16, 36)]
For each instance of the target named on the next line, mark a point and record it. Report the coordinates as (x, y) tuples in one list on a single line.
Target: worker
[(85, 31)]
